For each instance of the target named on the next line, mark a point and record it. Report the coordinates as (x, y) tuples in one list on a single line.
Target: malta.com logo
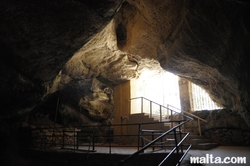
[(210, 159)]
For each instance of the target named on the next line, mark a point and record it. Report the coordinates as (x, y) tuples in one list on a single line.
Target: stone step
[(141, 117), (195, 137), (202, 144), (138, 114), (206, 146), (141, 120), (192, 136), (164, 128), (197, 141), (170, 141)]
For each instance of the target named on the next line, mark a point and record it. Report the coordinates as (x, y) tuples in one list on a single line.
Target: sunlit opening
[(161, 88), (201, 100)]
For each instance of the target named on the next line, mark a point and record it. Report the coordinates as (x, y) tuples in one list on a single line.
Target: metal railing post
[(168, 111), (109, 140), (160, 114), (199, 127), (63, 138), (171, 118), (93, 139), (180, 137), (74, 139), (176, 143), (141, 105), (150, 109), (77, 139), (41, 141), (139, 135)]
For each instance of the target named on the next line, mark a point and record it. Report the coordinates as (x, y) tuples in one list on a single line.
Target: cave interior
[(71, 56)]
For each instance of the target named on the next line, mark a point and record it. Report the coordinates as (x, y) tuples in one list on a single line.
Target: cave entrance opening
[(160, 87), (163, 88), (200, 100)]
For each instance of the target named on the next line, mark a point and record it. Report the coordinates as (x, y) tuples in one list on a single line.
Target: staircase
[(199, 142), (170, 134), (147, 123), (171, 154), (195, 138), (144, 118)]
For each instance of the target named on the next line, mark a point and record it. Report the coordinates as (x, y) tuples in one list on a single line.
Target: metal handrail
[(182, 112), (74, 134), (154, 141), (194, 116), (175, 148), (43, 135), (161, 106), (185, 112)]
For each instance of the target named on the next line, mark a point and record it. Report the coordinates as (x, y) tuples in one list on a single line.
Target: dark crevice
[(121, 34)]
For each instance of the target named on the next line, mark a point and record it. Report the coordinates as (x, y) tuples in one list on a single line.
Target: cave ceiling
[(82, 49)]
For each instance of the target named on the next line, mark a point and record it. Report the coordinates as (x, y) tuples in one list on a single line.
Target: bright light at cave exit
[(161, 87)]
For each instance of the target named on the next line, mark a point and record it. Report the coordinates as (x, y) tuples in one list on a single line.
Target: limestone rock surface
[(81, 49)]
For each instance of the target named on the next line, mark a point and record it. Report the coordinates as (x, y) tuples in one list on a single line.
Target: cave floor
[(220, 151)]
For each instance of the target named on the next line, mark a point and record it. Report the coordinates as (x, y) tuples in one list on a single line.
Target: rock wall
[(205, 42), (37, 39), (225, 127), (197, 59), (229, 137)]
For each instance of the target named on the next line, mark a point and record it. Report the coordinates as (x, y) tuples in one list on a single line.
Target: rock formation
[(79, 50)]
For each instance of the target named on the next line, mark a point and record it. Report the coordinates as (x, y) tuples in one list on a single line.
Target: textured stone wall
[(228, 136), (37, 39), (223, 126), (194, 50), (50, 46)]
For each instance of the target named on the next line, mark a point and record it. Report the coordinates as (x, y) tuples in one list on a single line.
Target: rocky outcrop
[(205, 42), (210, 48), (81, 50), (37, 39)]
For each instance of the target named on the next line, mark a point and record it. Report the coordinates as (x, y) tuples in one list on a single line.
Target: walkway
[(220, 151)]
